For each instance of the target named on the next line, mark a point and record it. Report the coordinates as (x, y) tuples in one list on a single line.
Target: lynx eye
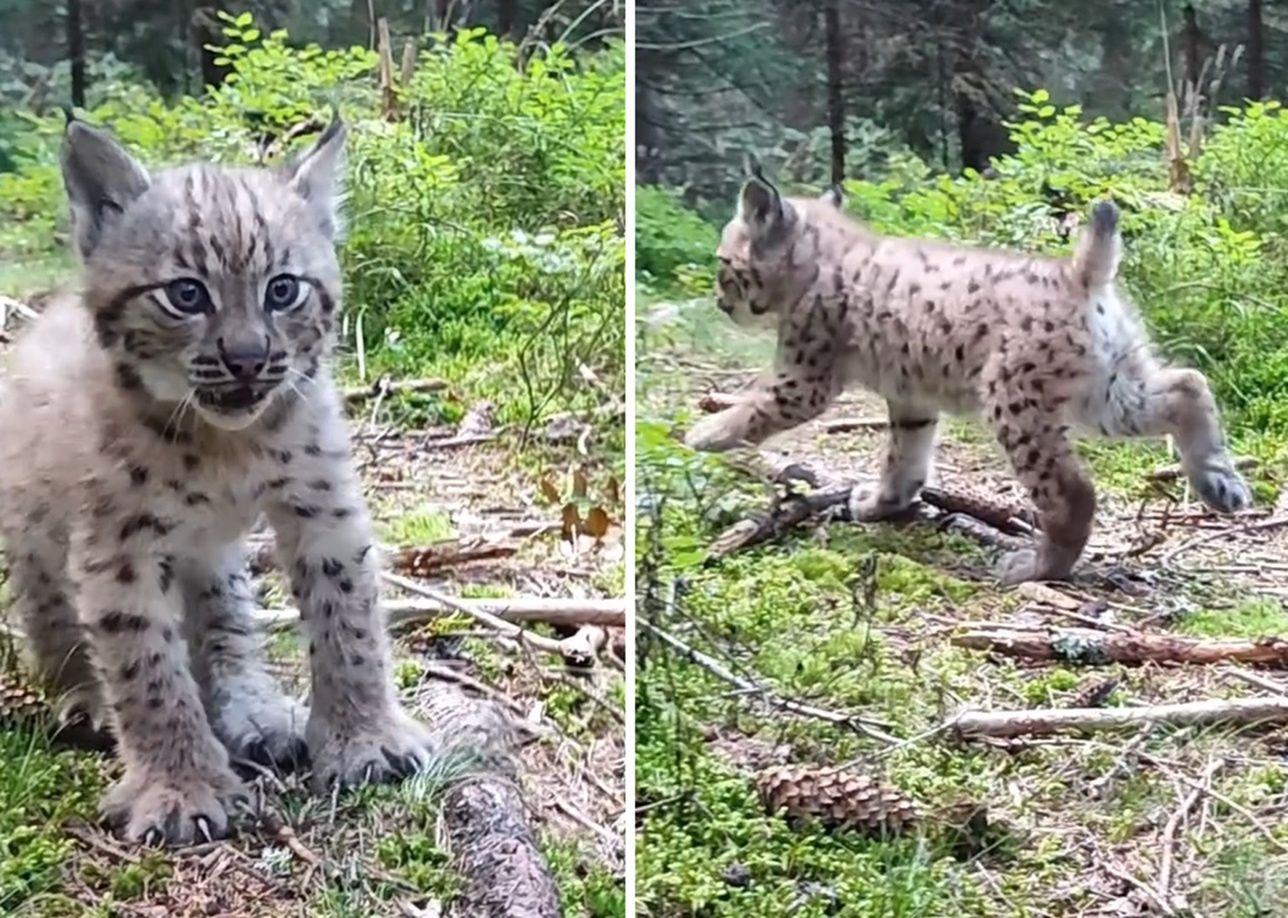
[(283, 292), (187, 297)]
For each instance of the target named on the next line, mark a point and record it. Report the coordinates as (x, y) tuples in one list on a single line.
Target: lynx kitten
[(144, 426), (1035, 345)]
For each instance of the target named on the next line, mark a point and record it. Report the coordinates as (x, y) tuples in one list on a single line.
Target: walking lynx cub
[(1036, 345), (144, 426)]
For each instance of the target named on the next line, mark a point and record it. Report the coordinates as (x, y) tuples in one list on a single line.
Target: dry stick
[(522, 636), (1234, 805), (386, 386), (1174, 824), (748, 688), (551, 610), (1258, 681), (1045, 721), (978, 519), (1090, 647), (1271, 523)]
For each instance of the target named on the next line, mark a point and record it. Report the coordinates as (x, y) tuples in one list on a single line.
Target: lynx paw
[(1018, 567), (710, 435), (173, 809), (1221, 487), (265, 730), (1049, 562), (867, 506), (385, 749)]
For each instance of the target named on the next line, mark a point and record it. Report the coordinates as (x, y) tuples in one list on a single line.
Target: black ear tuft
[(101, 178)]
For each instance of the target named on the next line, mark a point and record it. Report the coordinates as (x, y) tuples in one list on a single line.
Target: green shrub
[(668, 235)]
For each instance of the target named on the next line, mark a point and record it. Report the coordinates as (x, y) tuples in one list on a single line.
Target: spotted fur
[(1035, 346), (145, 424)]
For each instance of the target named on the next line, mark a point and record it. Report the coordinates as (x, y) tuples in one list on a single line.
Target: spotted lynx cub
[(1034, 345), (144, 425)]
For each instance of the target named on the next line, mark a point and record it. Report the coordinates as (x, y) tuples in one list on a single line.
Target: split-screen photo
[(584, 458)]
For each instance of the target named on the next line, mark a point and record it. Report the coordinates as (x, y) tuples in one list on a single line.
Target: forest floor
[(861, 619), (436, 495)]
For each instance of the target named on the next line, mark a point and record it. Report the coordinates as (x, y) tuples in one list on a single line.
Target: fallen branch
[(484, 817), (386, 386), (552, 610), (421, 560), (972, 516), (1044, 721), (582, 648), (1090, 647), (747, 688), (1179, 815), (566, 647)]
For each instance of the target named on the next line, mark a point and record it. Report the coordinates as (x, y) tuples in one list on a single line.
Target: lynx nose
[(244, 359)]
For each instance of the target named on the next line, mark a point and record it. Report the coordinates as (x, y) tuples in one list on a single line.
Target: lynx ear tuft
[(101, 178), (317, 177)]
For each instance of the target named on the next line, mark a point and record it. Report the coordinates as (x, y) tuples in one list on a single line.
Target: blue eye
[(187, 296), (282, 292)]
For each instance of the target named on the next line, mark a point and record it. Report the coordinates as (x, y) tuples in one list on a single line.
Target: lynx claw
[(383, 751)]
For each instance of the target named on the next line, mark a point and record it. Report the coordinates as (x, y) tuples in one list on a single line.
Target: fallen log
[(1046, 721), (484, 817), (1090, 647)]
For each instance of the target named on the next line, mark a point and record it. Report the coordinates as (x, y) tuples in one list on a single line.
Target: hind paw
[(868, 506), (1221, 487)]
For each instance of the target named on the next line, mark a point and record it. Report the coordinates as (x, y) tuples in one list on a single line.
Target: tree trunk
[(76, 51), (207, 33), (1191, 49), (835, 87), (507, 18), (1256, 53)]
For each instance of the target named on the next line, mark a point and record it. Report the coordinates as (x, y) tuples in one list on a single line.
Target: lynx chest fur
[(145, 424), (1035, 346)]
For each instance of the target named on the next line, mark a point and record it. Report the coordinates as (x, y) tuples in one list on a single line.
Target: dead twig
[(386, 386), (748, 688), (520, 635), (1272, 523), (1168, 841)]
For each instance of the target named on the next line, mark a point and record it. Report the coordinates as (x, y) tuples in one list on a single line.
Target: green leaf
[(244, 19)]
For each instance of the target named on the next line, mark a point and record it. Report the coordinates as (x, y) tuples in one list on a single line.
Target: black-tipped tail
[(1104, 219), (1096, 259)]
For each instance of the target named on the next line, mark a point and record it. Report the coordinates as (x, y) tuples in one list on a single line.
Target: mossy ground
[(858, 618)]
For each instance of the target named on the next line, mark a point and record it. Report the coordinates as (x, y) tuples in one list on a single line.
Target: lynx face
[(211, 288), (768, 253)]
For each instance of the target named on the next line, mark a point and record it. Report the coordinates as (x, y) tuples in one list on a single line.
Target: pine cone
[(19, 701), (838, 799)]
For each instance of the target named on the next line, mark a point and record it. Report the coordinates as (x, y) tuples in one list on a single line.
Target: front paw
[(1221, 487), (173, 809), (267, 731), (371, 749), (866, 504), (710, 434), (1018, 567)]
